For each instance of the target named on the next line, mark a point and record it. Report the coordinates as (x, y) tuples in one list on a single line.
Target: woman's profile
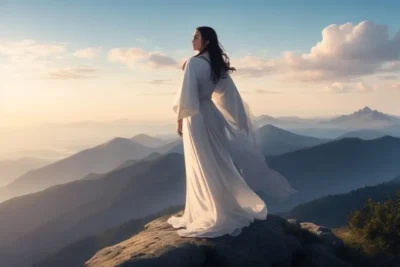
[(224, 166)]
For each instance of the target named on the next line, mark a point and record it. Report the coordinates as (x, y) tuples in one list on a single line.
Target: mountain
[(40, 153), (321, 132), (152, 156), (127, 163), (363, 118), (172, 147), (149, 141), (393, 130), (332, 210), (271, 242), (365, 134), (98, 159), (338, 166), (78, 252), (11, 169), (273, 141), (286, 122), (38, 224), (266, 119), (276, 141)]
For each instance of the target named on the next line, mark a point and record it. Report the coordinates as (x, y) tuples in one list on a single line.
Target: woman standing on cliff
[(224, 166)]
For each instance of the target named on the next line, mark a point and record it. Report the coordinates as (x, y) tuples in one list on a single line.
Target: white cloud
[(71, 73), (362, 87), (89, 53), (336, 87), (251, 66), (137, 57), (29, 50), (345, 51)]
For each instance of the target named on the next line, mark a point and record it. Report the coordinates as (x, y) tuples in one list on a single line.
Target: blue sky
[(271, 25), (117, 86)]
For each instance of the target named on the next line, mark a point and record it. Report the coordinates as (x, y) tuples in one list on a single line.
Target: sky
[(103, 60)]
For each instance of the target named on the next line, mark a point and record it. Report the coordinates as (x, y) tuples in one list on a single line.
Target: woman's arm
[(179, 127)]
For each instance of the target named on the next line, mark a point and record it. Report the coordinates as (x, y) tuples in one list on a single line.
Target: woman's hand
[(179, 127)]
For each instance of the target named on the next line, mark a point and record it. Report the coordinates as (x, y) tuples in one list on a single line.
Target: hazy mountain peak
[(148, 140), (364, 118), (143, 136), (117, 141), (366, 109)]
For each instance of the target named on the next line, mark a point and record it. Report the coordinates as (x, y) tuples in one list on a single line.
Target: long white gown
[(223, 164)]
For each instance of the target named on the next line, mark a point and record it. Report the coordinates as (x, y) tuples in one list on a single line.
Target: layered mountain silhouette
[(364, 118), (99, 159), (11, 169), (150, 141), (276, 141), (332, 210), (41, 223), (92, 162), (365, 134), (338, 166), (78, 252)]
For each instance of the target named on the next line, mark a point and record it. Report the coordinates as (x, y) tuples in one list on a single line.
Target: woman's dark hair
[(220, 63)]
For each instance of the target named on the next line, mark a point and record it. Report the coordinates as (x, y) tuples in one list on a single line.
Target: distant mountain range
[(93, 162), (41, 223), (338, 166), (276, 141), (99, 159), (107, 156), (332, 210), (150, 141), (78, 252), (37, 224), (366, 134), (11, 169), (365, 118)]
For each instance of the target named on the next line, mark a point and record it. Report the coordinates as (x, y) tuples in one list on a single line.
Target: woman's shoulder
[(197, 63)]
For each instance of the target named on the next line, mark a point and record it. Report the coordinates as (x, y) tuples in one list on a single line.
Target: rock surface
[(269, 243)]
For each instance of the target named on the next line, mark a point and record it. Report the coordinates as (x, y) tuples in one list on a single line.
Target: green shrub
[(379, 224)]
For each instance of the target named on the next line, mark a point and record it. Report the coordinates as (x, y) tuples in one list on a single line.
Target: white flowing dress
[(223, 164)]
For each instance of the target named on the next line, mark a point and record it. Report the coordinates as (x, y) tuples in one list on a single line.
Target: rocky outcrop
[(273, 242)]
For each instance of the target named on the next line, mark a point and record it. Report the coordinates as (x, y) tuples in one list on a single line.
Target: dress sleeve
[(186, 102), (228, 100)]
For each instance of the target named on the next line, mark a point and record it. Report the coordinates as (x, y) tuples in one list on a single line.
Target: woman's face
[(197, 41)]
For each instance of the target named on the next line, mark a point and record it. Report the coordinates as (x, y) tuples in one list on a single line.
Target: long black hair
[(220, 63)]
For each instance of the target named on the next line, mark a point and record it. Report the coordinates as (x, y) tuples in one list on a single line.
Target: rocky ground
[(270, 243)]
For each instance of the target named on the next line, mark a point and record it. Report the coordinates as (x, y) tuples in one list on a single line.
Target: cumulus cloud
[(345, 51), (251, 66), (137, 57), (89, 53), (362, 87), (29, 50), (70, 73)]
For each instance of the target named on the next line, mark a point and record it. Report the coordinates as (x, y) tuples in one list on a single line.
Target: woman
[(223, 164)]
